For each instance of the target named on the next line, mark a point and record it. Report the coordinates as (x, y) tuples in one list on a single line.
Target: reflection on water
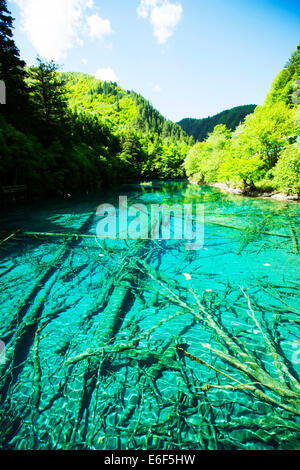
[(141, 344)]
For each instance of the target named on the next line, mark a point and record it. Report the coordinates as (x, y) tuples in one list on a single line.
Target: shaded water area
[(143, 344)]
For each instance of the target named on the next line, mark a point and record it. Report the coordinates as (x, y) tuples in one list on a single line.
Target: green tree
[(131, 146), (294, 61), (242, 171), (48, 94), (264, 133), (287, 171), (282, 88), (12, 72), (132, 154), (204, 159)]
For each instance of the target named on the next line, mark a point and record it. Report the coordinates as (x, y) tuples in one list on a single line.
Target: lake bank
[(261, 194)]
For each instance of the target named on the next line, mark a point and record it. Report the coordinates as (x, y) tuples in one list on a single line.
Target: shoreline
[(238, 191)]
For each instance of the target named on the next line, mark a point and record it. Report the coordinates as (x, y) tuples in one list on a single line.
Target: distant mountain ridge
[(200, 128)]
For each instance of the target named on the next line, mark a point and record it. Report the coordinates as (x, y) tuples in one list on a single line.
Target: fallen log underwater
[(23, 233)]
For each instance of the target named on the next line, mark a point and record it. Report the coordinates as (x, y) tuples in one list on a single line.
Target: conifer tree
[(47, 92), (12, 71)]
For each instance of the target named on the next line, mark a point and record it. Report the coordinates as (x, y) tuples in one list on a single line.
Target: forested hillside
[(63, 132), (264, 151), (118, 107), (200, 128)]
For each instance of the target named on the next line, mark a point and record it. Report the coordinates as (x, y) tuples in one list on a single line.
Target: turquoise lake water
[(143, 344)]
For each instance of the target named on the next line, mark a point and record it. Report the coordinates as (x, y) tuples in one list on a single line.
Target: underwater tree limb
[(249, 365), (279, 364), (12, 235), (271, 234), (293, 407)]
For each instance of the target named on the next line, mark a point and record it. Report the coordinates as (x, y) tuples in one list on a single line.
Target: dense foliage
[(262, 153), (61, 132), (199, 129)]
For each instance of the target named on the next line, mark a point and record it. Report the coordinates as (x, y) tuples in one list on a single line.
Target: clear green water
[(92, 329)]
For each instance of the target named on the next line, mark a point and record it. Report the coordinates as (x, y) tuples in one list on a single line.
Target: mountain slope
[(200, 128), (118, 107)]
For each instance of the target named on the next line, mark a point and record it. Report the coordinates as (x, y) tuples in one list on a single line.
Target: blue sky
[(190, 58)]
